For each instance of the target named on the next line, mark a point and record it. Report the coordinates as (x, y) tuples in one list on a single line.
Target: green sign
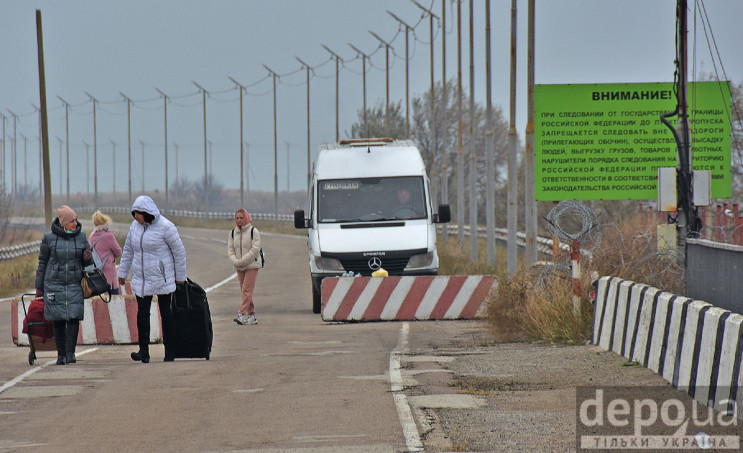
[(606, 141)]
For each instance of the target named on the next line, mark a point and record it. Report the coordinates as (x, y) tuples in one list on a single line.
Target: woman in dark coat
[(63, 254)]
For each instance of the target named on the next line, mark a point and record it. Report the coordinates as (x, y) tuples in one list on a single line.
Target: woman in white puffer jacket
[(155, 255)]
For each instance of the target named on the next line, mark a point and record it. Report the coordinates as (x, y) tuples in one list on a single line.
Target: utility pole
[(363, 78), (460, 125), (432, 121), (113, 167), (129, 146), (44, 135), (407, 77), (337, 59), (490, 185), (472, 171), (287, 166), (60, 166), (41, 160), (87, 171), (2, 159), (513, 171), (14, 156), (444, 177), (387, 81), (275, 155), (242, 89), (95, 152), (25, 161), (142, 143), (530, 201), (67, 142), (206, 170), (309, 170), (165, 144)]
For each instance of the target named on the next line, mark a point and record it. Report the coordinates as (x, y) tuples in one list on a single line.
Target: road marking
[(213, 287), (409, 430), (28, 373)]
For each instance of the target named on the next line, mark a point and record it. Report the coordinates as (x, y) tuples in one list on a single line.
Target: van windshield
[(371, 199)]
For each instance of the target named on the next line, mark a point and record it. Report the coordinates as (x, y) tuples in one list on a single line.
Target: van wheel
[(316, 300)]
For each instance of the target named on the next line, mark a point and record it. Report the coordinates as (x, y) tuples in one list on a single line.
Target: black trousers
[(143, 320)]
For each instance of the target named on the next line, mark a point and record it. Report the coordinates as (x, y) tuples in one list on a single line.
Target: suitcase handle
[(173, 306)]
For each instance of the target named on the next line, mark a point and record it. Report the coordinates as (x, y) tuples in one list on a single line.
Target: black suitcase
[(189, 334)]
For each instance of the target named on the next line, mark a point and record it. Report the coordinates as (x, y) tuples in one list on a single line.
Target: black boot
[(141, 356), (71, 340), (60, 328)]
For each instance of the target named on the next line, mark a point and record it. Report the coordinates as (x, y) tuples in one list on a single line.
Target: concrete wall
[(695, 346)]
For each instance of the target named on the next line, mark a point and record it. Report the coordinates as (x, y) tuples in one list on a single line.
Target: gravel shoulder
[(523, 394)]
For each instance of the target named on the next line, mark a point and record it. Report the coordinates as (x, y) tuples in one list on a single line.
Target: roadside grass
[(17, 275), (539, 307)]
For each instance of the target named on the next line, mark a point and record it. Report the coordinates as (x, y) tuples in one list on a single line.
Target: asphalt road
[(296, 383), (290, 382)]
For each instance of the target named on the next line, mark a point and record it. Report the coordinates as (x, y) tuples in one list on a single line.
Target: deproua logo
[(652, 419)]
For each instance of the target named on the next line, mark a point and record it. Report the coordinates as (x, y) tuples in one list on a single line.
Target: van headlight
[(328, 264), (422, 260)]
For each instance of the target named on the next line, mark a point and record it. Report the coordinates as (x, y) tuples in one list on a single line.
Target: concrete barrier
[(405, 298), (114, 322), (693, 345)]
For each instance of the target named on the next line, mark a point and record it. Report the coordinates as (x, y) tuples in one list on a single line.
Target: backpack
[(98, 262), (263, 259)]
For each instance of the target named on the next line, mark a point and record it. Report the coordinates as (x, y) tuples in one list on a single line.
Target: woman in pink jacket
[(105, 244)]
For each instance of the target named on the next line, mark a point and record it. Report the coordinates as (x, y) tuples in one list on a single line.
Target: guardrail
[(501, 234)]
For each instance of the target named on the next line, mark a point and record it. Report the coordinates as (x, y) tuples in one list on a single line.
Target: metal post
[(444, 176), (142, 143), (512, 208), (95, 152), (309, 170), (14, 156), (407, 77), (337, 59), (113, 167), (363, 78), (472, 169), (275, 155), (460, 151), (242, 89), (489, 184), (129, 146), (386, 81), (165, 144), (529, 195), (206, 170)]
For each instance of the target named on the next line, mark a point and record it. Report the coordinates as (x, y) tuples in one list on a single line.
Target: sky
[(105, 50)]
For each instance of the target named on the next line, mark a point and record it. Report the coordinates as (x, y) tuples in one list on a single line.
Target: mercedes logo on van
[(375, 263)]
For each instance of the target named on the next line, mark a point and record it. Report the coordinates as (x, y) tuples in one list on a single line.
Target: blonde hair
[(100, 219)]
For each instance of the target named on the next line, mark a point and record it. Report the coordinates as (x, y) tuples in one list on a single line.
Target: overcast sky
[(134, 47)]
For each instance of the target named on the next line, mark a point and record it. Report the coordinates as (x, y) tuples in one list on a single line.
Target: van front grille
[(393, 262)]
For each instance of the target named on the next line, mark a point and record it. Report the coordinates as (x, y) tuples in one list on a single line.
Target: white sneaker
[(251, 320), (240, 319)]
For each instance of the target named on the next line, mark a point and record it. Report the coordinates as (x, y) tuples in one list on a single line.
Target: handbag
[(94, 283)]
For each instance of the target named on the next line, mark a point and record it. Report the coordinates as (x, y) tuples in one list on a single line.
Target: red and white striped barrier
[(405, 298), (114, 322)]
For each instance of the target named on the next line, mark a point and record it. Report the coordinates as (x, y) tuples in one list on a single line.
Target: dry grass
[(528, 307), (17, 275)]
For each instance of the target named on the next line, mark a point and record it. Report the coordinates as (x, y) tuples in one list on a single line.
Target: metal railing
[(501, 234)]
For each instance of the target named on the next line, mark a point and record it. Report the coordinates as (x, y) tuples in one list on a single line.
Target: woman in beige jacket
[(244, 250)]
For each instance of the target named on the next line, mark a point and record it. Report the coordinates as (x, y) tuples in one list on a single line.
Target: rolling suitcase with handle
[(189, 333)]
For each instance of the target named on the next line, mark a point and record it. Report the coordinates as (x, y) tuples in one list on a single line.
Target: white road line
[(213, 287), (409, 430), (28, 373)]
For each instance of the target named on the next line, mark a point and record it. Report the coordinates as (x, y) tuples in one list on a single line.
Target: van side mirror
[(444, 214), (299, 220)]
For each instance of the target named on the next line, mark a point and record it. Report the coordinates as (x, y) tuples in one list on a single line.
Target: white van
[(370, 208)]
